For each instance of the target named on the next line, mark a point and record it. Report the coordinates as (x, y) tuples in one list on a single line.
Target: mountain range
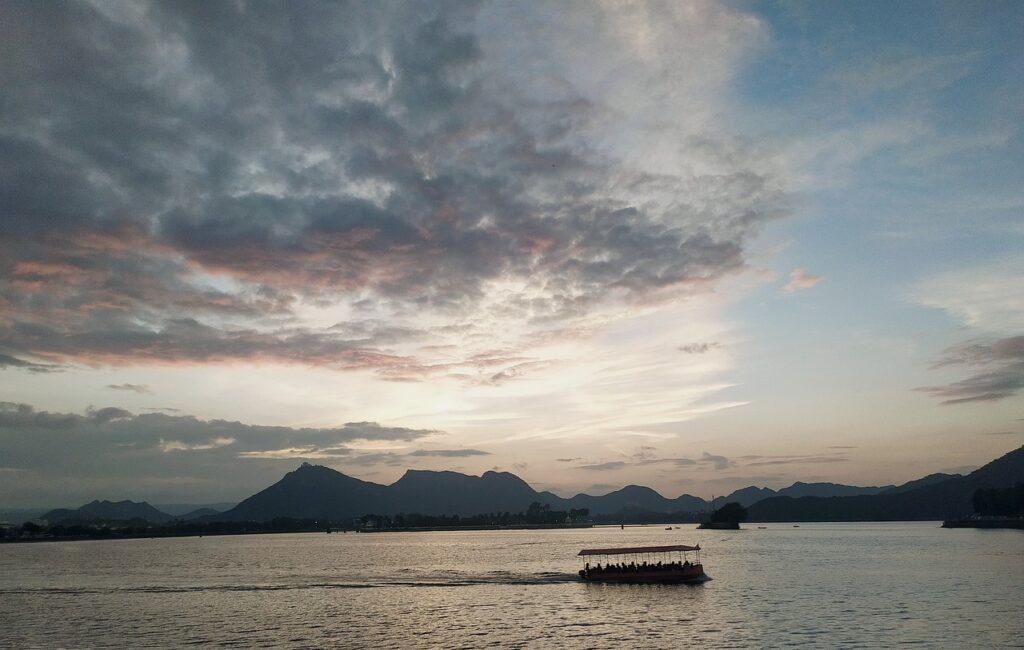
[(318, 492), (99, 512), (938, 496), (314, 491)]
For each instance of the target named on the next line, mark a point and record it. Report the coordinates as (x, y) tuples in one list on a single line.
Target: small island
[(994, 508), (728, 517)]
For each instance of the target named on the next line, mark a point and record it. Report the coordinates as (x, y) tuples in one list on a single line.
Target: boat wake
[(546, 578)]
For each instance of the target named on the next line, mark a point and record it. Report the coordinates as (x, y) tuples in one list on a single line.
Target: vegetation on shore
[(996, 502), (730, 513), (536, 515)]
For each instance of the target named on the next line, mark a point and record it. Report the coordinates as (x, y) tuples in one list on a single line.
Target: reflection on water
[(849, 585)]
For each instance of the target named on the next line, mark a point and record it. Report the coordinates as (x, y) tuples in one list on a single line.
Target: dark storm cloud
[(174, 166), (123, 454), (999, 374)]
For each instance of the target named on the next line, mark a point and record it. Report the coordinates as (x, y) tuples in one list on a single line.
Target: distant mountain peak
[(492, 472), (638, 488), (109, 511)]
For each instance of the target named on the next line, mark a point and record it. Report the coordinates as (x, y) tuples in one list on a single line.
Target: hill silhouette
[(634, 498), (801, 489), (749, 495), (107, 511), (424, 491), (921, 482), (317, 492), (313, 492), (934, 499)]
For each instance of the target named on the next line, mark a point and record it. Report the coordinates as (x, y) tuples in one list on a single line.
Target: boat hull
[(692, 574)]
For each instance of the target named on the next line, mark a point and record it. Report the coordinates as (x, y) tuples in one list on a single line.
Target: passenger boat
[(643, 564)]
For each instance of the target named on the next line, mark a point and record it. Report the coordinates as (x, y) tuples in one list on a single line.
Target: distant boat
[(644, 564), (720, 525)]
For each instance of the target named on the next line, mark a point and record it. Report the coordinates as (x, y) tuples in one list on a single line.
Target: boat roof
[(637, 549)]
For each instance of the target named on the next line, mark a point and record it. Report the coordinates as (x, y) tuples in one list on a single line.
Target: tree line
[(536, 514), (1000, 502)]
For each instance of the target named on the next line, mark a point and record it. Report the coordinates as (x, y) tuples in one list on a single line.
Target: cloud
[(107, 414), (111, 453), (986, 297), (999, 365), (175, 445), (698, 348), (448, 453), (769, 461), (7, 361), (600, 467), (141, 389), (195, 184), (800, 279), (718, 462), (678, 462), (644, 458)]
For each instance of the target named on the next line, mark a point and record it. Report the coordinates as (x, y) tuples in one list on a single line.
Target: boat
[(720, 525), (643, 564)]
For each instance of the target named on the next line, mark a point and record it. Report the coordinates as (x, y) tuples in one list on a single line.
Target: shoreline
[(321, 531), (1003, 523)]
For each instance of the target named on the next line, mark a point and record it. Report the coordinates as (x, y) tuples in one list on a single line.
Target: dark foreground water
[(822, 585)]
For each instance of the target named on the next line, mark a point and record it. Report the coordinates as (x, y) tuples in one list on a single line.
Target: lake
[(822, 585)]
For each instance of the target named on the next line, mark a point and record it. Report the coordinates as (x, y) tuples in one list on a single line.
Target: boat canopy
[(637, 550)]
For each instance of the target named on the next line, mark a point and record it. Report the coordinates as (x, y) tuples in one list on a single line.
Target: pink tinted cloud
[(799, 279)]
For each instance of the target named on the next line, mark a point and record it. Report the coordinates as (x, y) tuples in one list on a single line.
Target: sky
[(694, 246)]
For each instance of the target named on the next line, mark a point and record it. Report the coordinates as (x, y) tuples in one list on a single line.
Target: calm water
[(824, 585)]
